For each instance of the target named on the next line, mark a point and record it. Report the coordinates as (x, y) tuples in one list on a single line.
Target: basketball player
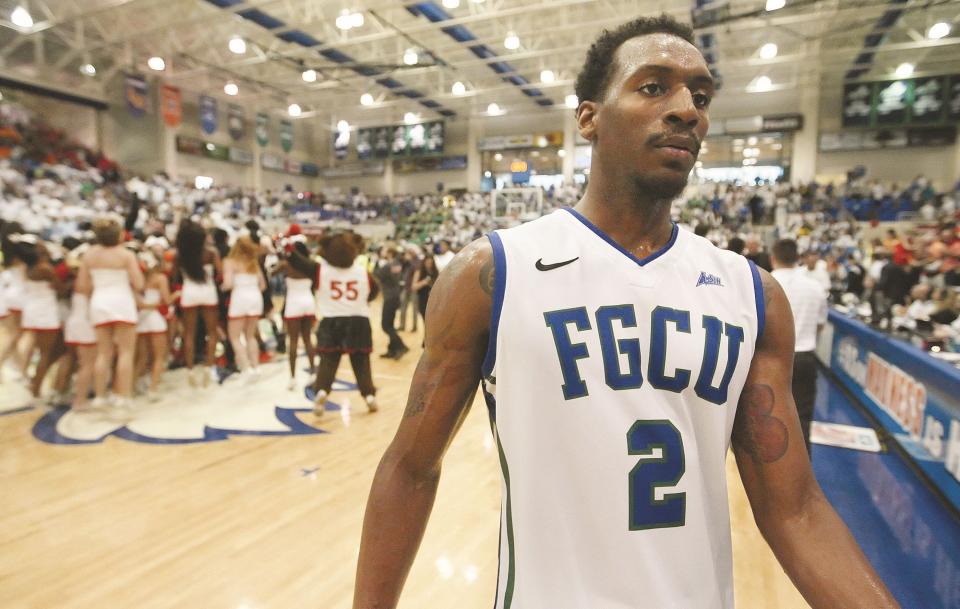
[(619, 356)]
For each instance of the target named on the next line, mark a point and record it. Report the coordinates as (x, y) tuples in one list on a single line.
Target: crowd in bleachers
[(56, 197)]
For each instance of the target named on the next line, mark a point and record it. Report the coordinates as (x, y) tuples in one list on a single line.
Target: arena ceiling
[(455, 41)]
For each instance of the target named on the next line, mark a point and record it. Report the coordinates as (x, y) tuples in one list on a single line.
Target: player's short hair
[(598, 66), (785, 252)]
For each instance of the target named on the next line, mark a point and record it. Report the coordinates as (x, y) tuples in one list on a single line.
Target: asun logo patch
[(708, 279)]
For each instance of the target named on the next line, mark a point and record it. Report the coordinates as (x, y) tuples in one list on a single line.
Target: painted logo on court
[(189, 417)]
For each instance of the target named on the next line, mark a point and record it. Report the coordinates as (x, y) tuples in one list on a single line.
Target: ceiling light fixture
[(366, 99), (231, 89), (458, 88), (157, 64), (494, 109), (347, 20), (237, 45), (87, 69), (511, 42), (768, 51), (294, 110), (410, 118), (21, 18), (309, 76), (572, 101), (762, 84), (904, 70), (410, 57), (938, 30), (547, 76), (342, 126), (773, 5)]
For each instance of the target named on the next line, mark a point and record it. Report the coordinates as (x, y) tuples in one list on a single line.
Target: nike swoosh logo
[(549, 267)]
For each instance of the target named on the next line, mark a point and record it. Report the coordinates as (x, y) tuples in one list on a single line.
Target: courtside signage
[(913, 395)]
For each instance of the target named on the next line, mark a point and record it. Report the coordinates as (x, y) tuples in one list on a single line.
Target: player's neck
[(638, 225)]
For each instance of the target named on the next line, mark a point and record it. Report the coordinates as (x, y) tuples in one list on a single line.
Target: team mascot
[(344, 291)]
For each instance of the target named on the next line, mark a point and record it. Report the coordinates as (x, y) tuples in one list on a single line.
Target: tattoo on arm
[(487, 276), (768, 284), (756, 431)]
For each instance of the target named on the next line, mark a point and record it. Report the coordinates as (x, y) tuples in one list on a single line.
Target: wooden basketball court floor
[(172, 510)]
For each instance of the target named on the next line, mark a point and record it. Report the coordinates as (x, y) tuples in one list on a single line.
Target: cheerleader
[(110, 274), (197, 266), (12, 282), (80, 340), (245, 282), (41, 312), (152, 324), (299, 308)]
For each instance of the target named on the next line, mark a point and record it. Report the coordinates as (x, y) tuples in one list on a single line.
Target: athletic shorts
[(344, 335)]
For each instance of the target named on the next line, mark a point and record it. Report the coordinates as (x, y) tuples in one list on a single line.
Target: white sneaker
[(98, 404), (122, 409), (320, 403), (371, 403), (292, 384), (206, 373), (192, 376)]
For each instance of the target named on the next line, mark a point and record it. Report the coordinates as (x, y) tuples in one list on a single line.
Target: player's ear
[(587, 119)]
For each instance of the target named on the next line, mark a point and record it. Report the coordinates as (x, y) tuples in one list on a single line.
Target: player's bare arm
[(809, 539), (443, 387)]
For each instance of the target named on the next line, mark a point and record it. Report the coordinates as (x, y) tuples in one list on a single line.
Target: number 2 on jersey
[(652, 473), (337, 291)]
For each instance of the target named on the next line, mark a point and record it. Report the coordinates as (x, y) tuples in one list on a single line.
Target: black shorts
[(344, 335)]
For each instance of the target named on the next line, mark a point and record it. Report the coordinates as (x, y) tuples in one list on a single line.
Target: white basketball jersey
[(612, 384), (343, 292)]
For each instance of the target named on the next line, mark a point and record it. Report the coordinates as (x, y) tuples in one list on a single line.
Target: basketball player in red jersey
[(644, 96)]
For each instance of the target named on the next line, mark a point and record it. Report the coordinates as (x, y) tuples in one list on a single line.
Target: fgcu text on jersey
[(708, 279), (613, 385)]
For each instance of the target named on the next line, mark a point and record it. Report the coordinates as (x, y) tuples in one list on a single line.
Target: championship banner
[(286, 135), (170, 106), (381, 142), (262, 128), (857, 104), (236, 125), (364, 146), (953, 99), (208, 114), (928, 95), (136, 93), (893, 99)]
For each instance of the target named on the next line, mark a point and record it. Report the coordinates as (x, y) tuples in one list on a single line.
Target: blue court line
[(906, 531)]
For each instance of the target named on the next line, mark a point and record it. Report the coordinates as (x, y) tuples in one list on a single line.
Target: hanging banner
[(136, 94), (341, 144), (170, 106), (236, 125), (893, 100), (364, 146), (286, 135), (953, 99), (928, 95), (857, 104), (208, 114), (262, 128), (381, 142)]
